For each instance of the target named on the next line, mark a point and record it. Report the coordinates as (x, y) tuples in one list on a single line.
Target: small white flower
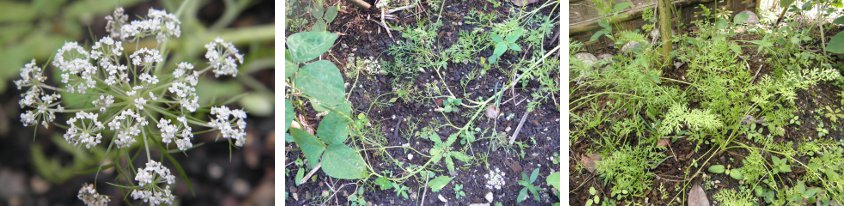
[(88, 194), (126, 127), (77, 71), (84, 129), (223, 57), (31, 75), (149, 179), (107, 49), (115, 73), (115, 22), (182, 130), (104, 102), (231, 123), (146, 57), (148, 78), (160, 24)]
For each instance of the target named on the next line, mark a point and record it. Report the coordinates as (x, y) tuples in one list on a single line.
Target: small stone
[(605, 56), (587, 58), (39, 186), (492, 112), (631, 46), (489, 197), (409, 156), (442, 199), (240, 187), (752, 19)]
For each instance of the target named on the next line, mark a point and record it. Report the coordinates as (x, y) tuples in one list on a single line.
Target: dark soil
[(369, 39)]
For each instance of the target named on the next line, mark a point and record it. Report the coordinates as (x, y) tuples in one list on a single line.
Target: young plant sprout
[(139, 100)]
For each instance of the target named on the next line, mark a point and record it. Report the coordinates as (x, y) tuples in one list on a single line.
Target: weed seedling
[(596, 198), (527, 186), (442, 151), (458, 191), (502, 44)]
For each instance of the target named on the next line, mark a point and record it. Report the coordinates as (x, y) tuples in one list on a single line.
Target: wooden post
[(665, 30)]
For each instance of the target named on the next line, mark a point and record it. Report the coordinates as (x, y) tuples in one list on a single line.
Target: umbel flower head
[(137, 98)]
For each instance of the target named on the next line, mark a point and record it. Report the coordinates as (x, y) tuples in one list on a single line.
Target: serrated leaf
[(515, 47), (522, 195), (836, 44), (323, 83), (333, 129), (460, 156), (439, 183), (514, 35), (305, 46), (331, 13), (449, 163), (342, 162), (288, 114), (383, 183), (716, 169), (309, 144)]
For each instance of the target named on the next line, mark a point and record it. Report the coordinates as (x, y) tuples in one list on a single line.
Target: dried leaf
[(697, 197), (590, 161)]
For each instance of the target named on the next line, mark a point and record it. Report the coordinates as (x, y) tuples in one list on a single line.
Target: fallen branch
[(519, 128)]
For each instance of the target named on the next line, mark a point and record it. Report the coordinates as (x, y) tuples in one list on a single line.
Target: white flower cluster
[(224, 57), (231, 123), (84, 129), (149, 179), (77, 71), (170, 131), (495, 179), (160, 24), (131, 87), (126, 127), (88, 194)]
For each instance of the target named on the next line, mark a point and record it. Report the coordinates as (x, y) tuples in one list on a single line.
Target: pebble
[(215, 171), (587, 58), (605, 56), (241, 187), (13, 183), (489, 197), (39, 186), (631, 46), (409, 156), (442, 199), (752, 19)]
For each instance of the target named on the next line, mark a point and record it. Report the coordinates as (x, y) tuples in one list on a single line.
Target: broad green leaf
[(258, 103), (836, 44), (496, 37), (839, 20), (305, 46), (553, 179), (737, 174), (515, 47), (322, 82), (310, 145), (383, 183), (786, 3), (342, 162), (331, 13), (716, 169), (290, 68), (596, 35), (439, 183), (317, 11), (333, 129), (288, 114)]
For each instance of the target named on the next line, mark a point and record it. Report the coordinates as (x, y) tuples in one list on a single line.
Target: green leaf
[(11, 11), (836, 44), (589, 202), (383, 183), (514, 35), (299, 175), (319, 25), (317, 11), (597, 35), (309, 144), (500, 48), (451, 139), (496, 37), (342, 162), (534, 175), (323, 83), (621, 6), (333, 129), (331, 13), (786, 3), (515, 47), (461, 156), (290, 68), (305, 46), (716, 169), (288, 114), (449, 163), (553, 179), (439, 183), (839, 20), (522, 195), (737, 174)]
